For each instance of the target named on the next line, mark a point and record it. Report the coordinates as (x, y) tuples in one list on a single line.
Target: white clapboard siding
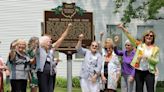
[(20, 19), (62, 66), (76, 66)]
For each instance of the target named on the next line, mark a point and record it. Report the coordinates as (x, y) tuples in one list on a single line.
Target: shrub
[(6, 86), (76, 82), (62, 82), (160, 84)]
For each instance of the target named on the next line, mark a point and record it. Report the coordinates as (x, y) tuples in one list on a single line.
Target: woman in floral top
[(33, 45), (111, 67), (91, 66)]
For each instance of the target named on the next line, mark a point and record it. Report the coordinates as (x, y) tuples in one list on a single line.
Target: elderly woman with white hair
[(128, 71), (91, 66), (45, 64)]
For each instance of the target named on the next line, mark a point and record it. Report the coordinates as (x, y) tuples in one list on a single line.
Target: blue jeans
[(126, 85)]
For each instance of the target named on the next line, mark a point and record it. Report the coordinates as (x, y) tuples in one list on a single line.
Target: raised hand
[(81, 36), (101, 34), (116, 40), (69, 24), (121, 26), (13, 46), (62, 37)]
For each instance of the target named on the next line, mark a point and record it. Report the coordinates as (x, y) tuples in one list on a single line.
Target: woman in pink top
[(2, 68)]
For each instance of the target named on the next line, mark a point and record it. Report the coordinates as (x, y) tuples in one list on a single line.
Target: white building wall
[(22, 19)]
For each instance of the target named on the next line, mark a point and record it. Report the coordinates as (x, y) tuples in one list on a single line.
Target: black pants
[(45, 80), (54, 80), (18, 85), (144, 76)]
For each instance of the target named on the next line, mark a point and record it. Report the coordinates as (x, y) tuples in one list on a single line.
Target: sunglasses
[(127, 45), (108, 48), (94, 45), (149, 35)]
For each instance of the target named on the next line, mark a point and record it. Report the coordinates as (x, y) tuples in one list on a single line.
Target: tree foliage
[(140, 9)]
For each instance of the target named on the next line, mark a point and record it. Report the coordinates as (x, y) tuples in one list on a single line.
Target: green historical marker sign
[(57, 19)]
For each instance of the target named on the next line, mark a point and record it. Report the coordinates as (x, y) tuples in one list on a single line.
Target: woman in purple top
[(128, 71)]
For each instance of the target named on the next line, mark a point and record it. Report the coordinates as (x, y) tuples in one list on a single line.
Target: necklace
[(108, 58)]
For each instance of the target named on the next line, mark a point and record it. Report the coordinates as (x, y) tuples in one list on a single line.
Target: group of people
[(34, 61), (100, 70)]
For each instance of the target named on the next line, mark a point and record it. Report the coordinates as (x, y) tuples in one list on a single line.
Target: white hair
[(43, 40), (128, 42)]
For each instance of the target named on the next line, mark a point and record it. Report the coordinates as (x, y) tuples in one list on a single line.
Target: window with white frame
[(141, 29)]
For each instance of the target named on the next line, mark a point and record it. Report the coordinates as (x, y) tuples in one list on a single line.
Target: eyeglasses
[(127, 45), (94, 45), (149, 35), (109, 48)]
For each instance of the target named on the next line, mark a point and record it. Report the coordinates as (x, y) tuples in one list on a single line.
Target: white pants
[(88, 86)]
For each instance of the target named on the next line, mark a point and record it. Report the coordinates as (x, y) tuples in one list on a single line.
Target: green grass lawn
[(58, 89)]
